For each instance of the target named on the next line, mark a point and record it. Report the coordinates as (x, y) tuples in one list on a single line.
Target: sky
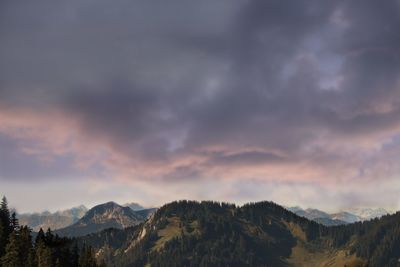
[(297, 102)]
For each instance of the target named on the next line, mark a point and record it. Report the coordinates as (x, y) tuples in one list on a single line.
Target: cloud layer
[(280, 94)]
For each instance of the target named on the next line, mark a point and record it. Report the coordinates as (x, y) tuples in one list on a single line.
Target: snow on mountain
[(346, 216), (368, 213)]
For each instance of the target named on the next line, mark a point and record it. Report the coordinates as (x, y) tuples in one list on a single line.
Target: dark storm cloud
[(160, 80)]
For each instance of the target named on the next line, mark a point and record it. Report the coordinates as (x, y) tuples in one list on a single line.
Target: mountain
[(146, 213), (317, 216), (346, 217), (310, 214), (56, 220), (342, 217), (189, 233), (107, 215), (314, 214), (295, 209), (368, 213), (134, 206), (329, 221)]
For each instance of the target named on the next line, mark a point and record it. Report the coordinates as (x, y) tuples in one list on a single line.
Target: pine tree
[(40, 237), (49, 236), (26, 244), (12, 256), (31, 258), (3, 240), (5, 228), (43, 255), (86, 258), (14, 222), (4, 208), (49, 250), (75, 256)]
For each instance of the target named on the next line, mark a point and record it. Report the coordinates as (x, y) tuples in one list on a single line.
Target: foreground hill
[(188, 233), (108, 215)]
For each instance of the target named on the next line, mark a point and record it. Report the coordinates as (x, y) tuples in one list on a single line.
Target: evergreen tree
[(31, 259), (49, 237), (40, 237), (5, 229), (14, 222), (5, 212), (48, 250), (43, 255), (12, 256), (86, 258), (74, 256), (26, 245), (3, 240)]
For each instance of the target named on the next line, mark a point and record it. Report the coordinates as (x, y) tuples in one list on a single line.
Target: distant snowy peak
[(314, 214), (346, 216), (368, 213)]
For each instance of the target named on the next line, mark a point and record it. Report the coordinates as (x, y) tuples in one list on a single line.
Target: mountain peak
[(108, 204), (106, 215), (368, 213), (134, 206)]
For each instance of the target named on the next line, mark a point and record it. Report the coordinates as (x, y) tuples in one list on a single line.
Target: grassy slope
[(306, 254), (303, 254), (170, 231), (173, 229)]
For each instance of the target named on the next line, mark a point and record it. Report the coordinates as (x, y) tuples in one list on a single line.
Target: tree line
[(19, 249)]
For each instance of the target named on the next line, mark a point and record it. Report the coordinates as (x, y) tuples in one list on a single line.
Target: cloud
[(304, 92)]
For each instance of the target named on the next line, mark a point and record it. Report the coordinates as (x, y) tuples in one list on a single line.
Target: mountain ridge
[(341, 217), (55, 220), (190, 233), (100, 217)]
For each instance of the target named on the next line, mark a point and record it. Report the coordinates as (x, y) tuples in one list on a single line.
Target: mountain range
[(56, 220), (339, 218), (66, 218), (103, 216), (99, 217), (189, 233)]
